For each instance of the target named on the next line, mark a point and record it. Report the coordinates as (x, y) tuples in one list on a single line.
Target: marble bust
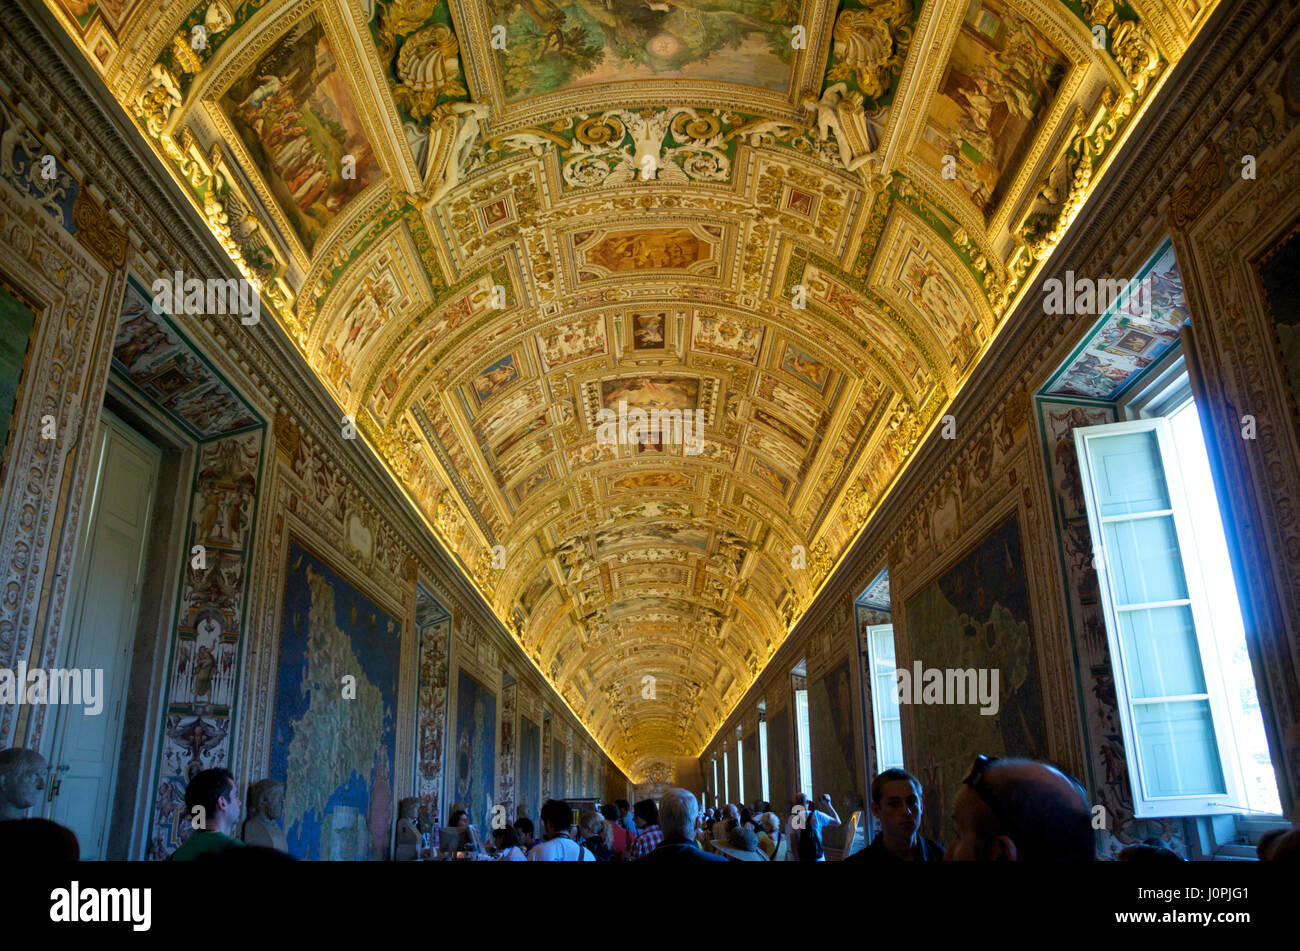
[(22, 779), (265, 805), (408, 831)]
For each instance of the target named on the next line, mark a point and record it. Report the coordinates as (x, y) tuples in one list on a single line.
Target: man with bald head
[(1018, 810), (678, 818)]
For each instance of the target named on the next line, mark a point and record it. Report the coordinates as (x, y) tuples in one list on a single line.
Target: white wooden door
[(101, 630)]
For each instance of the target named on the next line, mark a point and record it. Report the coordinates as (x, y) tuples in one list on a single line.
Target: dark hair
[(524, 824), (622, 805), (610, 812), (1286, 848), (746, 817), (891, 776), (455, 818), (206, 788), (505, 837), (1045, 824), (647, 810), (558, 814), (1266, 841), (40, 840)]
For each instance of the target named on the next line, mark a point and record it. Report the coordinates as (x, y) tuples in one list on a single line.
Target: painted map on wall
[(297, 119), (530, 766), (975, 616), (552, 44), (334, 755), (830, 722), (15, 329), (475, 750), (780, 785)]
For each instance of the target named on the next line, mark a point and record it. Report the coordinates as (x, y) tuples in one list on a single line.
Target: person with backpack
[(806, 825)]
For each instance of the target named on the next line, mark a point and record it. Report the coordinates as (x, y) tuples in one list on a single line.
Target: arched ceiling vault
[(484, 223)]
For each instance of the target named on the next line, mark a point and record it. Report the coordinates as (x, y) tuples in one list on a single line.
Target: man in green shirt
[(216, 797)]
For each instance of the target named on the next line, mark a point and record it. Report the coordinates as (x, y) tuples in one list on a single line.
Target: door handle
[(57, 781)]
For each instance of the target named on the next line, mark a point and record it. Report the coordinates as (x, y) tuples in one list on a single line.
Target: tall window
[(805, 741), (716, 787), (762, 758), (726, 777), (1188, 709), (884, 696), (740, 767)]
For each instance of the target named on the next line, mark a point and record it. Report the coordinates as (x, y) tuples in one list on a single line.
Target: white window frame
[(878, 720), (740, 767), (1145, 806), (803, 734)]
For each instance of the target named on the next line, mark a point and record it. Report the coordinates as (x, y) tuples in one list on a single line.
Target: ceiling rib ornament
[(558, 208)]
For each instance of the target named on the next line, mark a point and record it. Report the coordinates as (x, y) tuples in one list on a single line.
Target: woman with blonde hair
[(770, 838), (597, 836)]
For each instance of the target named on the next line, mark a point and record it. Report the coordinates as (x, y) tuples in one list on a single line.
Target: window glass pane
[(1161, 652), (883, 646), (1128, 473), (1144, 560), (1178, 754), (887, 696), (891, 740)]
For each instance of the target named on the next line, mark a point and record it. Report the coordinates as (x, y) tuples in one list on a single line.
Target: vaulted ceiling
[(483, 223)]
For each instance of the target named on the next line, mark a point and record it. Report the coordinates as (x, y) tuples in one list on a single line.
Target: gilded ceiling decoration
[(484, 224)]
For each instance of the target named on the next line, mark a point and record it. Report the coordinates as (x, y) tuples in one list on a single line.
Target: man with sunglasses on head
[(896, 802), (1019, 810)]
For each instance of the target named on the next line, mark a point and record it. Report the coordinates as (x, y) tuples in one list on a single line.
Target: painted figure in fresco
[(204, 664), (141, 337)]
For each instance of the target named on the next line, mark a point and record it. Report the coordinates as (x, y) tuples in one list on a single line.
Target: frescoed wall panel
[(431, 713), (834, 761), (530, 768), (559, 755), (780, 779)]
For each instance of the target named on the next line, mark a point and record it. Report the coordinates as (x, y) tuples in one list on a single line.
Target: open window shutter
[(1172, 701)]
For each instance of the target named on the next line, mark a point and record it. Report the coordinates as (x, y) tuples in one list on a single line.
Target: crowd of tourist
[(1012, 810)]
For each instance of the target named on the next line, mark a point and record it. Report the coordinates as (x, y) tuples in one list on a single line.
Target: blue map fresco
[(334, 739)]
